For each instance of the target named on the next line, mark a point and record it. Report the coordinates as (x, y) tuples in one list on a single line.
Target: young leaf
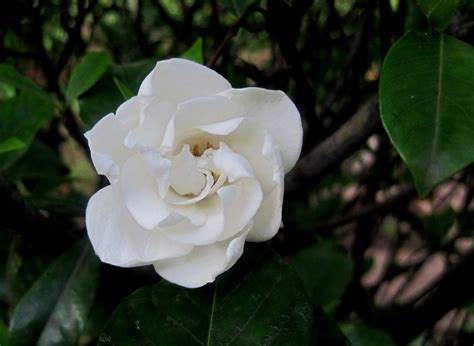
[(258, 302), (11, 144), (427, 105), (55, 308), (324, 270), (438, 12), (124, 90), (194, 53), (87, 73)]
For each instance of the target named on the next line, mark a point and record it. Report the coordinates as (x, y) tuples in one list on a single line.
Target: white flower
[(196, 169)]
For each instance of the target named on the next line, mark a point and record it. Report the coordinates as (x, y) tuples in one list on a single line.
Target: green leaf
[(21, 117), (324, 270), (427, 105), (9, 75), (87, 73), (438, 12), (3, 334), (258, 302), (55, 308), (104, 97), (194, 53), (436, 226), (236, 7), (11, 144), (364, 335), (124, 90)]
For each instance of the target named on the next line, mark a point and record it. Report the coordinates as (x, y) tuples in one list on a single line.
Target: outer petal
[(119, 240), (203, 264), (241, 202), (267, 221), (177, 80), (141, 194), (106, 141), (276, 113)]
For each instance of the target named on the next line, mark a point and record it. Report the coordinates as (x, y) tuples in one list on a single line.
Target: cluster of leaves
[(355, 186)]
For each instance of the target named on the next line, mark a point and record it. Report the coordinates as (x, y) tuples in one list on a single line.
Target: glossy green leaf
[(427, 105), (258, 302), (11, 144), (54, 310), (194, 53), (324, 270), (87, 73), (104, 97), (9, 75), (364, 335), (124, 90), (438, 12), (21, 117)]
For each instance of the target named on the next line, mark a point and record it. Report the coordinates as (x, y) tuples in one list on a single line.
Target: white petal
[(129, 112), (185, 176), (141, 195), (158, 167), (267, 221), (207, 232), (175, 199), (203, 264), (222, 128), (198, 112), (232, 165), (119, 240), (276, 113), (241, 202), (106, 141), (152, 127), (177, 80)]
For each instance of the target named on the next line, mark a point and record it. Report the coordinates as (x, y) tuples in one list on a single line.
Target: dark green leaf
[(327, 332), (324, 270), (436, 227), (258, 302), (364, 335), (54, 310), (438, 12), (104, 97), (236, 7), (124, 90), (11, 144), (10, 76), (87, 73), (3, 334), (194, 53), (21, 117), (427, 105)]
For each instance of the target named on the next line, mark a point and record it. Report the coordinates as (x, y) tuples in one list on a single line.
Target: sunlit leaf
[(194, 53), (87, 73)]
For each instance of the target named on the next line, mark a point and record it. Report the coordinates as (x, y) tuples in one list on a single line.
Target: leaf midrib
[(434, 146)]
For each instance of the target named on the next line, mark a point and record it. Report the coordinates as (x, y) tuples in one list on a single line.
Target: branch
[(338, 146)]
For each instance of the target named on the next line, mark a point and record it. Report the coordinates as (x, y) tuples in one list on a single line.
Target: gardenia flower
[(195, 167)]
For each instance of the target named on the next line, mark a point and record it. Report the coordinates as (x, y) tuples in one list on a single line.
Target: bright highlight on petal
[(196, 169)]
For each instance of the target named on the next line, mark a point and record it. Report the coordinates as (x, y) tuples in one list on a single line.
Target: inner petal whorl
[(186, 179)]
